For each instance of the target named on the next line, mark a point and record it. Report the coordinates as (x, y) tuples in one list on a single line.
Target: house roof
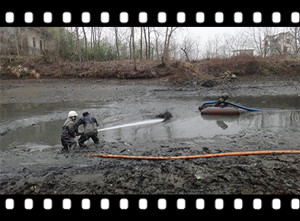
[(278, 36)]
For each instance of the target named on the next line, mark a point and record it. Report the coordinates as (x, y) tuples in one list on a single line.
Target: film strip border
[(161, 204), (127, 17), (154, 204)]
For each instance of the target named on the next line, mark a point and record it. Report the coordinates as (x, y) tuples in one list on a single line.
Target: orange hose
[(196, 156)]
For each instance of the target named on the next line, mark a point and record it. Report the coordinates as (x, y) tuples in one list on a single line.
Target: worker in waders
[(90, 125), (69, 132)]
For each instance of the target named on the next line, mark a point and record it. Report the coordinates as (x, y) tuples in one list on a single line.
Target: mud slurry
[(41, 167), (56, 172)]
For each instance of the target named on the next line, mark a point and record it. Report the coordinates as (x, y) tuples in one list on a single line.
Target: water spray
[(152, 121), (160, 118)]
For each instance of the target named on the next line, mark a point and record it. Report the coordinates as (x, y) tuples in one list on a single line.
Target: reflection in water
[(221, 124)]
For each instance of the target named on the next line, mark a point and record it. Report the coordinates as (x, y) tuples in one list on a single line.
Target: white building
[(282, 43)]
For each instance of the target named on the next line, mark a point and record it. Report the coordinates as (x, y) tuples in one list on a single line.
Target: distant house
[(282, 43), (36, 41), (25, 41), (243, 51)]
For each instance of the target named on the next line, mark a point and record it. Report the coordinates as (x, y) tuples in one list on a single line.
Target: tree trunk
[(164, 59), (93, 42), (78, 49), (186, 54), (146, 43), (17, 41), (141, 45), (98, 42), (130, 47), (149, 45), (117, 42), (85, 44), (168, 36), (156, 43), (133, 48)]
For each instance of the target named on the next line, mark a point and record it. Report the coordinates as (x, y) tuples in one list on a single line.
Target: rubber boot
[(82, 145), (73, 147)]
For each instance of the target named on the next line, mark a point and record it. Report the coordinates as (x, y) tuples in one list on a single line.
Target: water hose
[(264, 152), (240, 106), (243, 107), (235, 105)]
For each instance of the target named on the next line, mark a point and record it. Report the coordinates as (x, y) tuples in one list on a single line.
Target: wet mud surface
[(33, 111)]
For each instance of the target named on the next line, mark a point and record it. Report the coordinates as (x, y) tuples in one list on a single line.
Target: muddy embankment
[(194, 72), (33, 111)]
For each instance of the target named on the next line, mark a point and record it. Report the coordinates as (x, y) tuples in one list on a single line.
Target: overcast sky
[(209, 32)]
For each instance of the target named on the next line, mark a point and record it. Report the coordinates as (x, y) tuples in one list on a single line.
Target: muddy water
[(38, 125)]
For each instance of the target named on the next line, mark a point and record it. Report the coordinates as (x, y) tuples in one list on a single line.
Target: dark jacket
[(88, 123)]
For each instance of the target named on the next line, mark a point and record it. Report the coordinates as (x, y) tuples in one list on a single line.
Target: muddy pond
[(39, 124), (32, 114)]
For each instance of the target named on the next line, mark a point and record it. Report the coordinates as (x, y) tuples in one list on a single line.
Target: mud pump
[(223, 107)]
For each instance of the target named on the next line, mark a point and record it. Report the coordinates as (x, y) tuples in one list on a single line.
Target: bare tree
[(187, 47), (295, 31), (157, 35), (130, 45), (141, 44), (212, 47), (17, 37), (8, 41), (78, 49), (256, 37), (149, 43), (168, 35), (197, 50), (117, 42), (93, 42), (133, 48), (146, 42), (85, 44), (233, 42)]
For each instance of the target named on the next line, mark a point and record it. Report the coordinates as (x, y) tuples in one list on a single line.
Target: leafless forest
[(155, 43)]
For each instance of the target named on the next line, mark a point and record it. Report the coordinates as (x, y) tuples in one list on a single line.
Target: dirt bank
[(46, 170), (175, 71)]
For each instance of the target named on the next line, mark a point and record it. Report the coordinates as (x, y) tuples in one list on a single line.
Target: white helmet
[(72, 114)]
